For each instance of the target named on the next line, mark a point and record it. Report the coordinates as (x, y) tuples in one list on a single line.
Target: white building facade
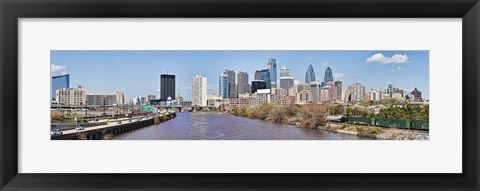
[(199, 91)]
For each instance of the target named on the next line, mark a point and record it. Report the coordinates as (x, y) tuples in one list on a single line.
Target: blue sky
[(136, 73)]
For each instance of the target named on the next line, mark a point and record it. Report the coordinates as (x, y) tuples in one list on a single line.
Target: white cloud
[(382, 59), (56, 70), (338, 75), (186, 88), (325, 64)]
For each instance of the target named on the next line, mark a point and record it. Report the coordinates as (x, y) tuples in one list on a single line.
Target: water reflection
[(218, 126)]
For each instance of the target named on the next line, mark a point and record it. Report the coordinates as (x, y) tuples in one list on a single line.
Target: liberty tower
[(310, 74)]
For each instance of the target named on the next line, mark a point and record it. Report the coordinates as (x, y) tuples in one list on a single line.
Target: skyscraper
[(59, 82), (315, 88), (339, 85), (284, 72), (223, 86), (199, 91), (243, 86), (286, 83), (265, 76), (390, 89), (232, 86), (272, 67), (328, 76), (257, 75), (167, 86), (417, 95), (358, 92), (310, 74)]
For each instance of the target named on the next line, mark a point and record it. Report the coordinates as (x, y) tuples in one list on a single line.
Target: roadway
[(113, 123)]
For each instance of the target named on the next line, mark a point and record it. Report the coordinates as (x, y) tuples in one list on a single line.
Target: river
[(218, 126)]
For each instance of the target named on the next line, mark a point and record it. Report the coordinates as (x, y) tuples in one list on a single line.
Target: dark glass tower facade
[(258, 84), (167, 86), (223, 86), (310, 74)]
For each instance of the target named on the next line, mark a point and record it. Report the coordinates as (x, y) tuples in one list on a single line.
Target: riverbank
[(377, 132), (313, 117)]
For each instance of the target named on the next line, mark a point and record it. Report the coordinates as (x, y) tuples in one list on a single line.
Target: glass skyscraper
[(272, 66), (310, 74), (265, 76), (328, 76), (223, 86), (59, 82)]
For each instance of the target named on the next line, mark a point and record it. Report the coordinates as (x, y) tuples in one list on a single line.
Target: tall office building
[(284, 71), (315, 89), (257, 75), (199, 91), (286, 83), (358, 92), (339, 85), (328, 76), (389, 89), (272, 67), (232, 86), (243, 86), (59, 82), (417, 95), (223, 86), (257, 85), (310, 74), (167, 86), (265, 76)]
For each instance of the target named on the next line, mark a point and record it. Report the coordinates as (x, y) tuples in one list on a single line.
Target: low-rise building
[(71, 96)]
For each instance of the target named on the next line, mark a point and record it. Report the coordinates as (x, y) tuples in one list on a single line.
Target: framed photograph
[(273, 95)]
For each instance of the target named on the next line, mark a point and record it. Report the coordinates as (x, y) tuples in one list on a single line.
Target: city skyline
[(137, 72)]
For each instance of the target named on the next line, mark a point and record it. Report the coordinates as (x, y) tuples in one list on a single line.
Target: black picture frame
[(12, 10)]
